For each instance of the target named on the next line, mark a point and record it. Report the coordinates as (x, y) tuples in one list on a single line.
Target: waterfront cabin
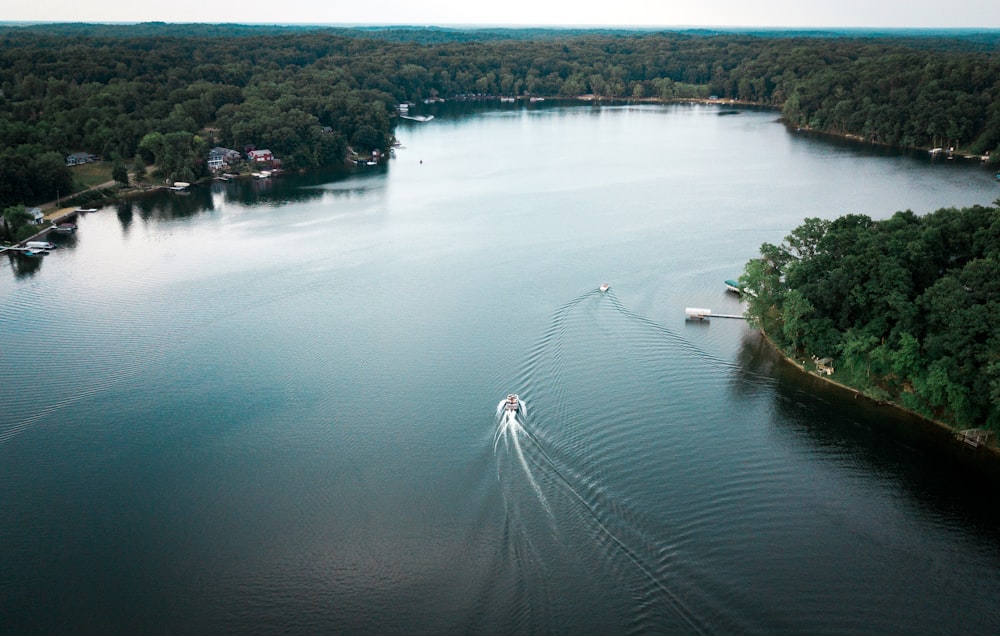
[(260, 156), (975, 437), (824, 366), (220, 157), (79, 158)]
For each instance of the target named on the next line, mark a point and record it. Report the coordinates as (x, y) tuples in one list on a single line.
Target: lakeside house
[(260, 156), (220, 157), (78, 158), (824, 365), (37, 216)]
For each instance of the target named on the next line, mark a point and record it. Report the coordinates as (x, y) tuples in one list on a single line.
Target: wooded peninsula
[(904, 310), (165, 94)]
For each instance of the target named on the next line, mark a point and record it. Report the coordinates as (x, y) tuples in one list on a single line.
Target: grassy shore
[(89, 175)]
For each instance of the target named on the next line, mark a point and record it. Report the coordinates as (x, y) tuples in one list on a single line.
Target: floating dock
[(701, 313)]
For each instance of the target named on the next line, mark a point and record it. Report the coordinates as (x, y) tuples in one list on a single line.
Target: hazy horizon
[(722, 14)]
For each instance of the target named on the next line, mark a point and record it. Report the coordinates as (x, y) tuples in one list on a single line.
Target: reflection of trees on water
[(829, 414), (756, 367), (286, 188), (24, 266), (251, 192), (879, 441), (290, 187), (166, 205), (28, 266), (126, 211)]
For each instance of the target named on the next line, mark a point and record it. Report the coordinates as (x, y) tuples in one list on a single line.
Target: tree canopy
[(908, 307), (309, 93)]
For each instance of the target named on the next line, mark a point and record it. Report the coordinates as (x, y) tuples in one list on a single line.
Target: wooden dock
[(700, 313), (976, 437)]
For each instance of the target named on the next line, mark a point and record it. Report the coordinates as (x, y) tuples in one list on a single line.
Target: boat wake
[(509, 431), (555, 474), (609, 530)]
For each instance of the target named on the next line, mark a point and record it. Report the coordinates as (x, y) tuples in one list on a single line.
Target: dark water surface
[(270, 407)]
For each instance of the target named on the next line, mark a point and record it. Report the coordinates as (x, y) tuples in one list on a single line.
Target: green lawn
[(89, 175)]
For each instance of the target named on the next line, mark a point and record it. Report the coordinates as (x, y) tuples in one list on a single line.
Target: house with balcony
[(219, 158)]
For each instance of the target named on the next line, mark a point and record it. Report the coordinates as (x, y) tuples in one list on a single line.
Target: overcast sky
[(738, 13)]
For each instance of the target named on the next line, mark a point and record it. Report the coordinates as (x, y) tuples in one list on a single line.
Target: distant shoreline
[(736, 103)]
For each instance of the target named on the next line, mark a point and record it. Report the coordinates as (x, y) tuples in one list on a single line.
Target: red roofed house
[(260, 156)]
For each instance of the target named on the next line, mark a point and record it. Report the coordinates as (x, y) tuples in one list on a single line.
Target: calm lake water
[(271, 407)]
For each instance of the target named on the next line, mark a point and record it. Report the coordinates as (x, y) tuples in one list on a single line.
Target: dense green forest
[(166, 93), (908, 307)]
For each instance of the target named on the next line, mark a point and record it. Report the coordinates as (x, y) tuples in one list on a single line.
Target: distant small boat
[(33, 253), (604, 287), (733, 286), (935, 151), (65, 228), (85, 210), (180, 186)]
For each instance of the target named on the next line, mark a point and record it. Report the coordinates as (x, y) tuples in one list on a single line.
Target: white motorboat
[(513, 403), (604, 287)]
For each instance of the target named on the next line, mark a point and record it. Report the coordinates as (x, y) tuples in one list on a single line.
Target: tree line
[(168, 92), (908, 307)]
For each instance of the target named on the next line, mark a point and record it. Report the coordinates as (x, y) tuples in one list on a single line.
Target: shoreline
[(989, 452), (737, 103)]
